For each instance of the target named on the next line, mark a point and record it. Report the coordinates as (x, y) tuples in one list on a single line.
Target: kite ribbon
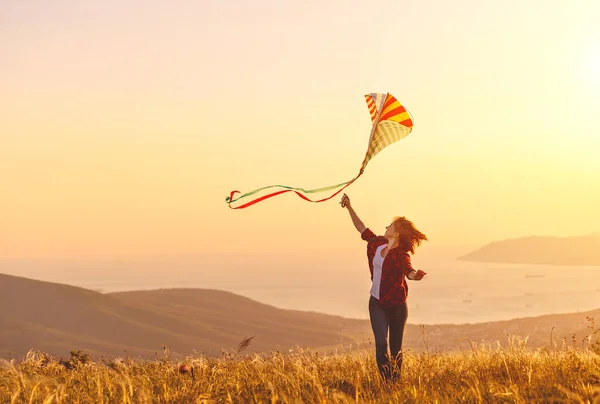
[(230, 199), (391, 122)]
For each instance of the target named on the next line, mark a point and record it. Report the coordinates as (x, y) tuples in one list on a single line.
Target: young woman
[(389, 263)]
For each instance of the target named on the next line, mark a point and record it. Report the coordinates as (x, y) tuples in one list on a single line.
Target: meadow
[(485, 373)]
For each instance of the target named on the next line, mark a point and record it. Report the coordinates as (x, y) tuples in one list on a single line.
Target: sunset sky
[(124, 125)]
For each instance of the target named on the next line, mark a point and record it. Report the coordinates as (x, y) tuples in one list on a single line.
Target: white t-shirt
[(377, 265)]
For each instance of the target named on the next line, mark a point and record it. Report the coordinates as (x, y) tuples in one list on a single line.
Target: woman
[(389, 264)]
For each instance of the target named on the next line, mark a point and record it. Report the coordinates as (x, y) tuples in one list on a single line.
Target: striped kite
[(391, 122)]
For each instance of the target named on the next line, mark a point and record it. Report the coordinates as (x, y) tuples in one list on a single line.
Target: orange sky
[(125, 126)]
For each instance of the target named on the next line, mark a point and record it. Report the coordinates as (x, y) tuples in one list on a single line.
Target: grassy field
[(485, 373)]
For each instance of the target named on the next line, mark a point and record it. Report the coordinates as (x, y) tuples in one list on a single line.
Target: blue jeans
[(384, 320)]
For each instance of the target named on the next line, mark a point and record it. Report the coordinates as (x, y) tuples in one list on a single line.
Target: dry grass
[(484, 374)]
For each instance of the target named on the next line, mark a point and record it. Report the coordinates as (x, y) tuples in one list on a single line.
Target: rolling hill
[(583, 250), (57, 318)]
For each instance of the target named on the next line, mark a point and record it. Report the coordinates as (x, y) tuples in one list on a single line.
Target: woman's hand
[(419, 275), (360, 226), (345, 202)]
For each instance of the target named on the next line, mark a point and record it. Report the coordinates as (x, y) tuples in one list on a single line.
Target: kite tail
[(298, 191)]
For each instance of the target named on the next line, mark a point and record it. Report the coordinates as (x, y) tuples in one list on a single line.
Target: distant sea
[(452, 292)]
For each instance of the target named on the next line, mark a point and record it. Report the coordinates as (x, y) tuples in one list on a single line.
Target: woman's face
[(392, 231)]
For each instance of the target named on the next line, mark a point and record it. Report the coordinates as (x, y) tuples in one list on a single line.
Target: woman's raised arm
[(360, 226)]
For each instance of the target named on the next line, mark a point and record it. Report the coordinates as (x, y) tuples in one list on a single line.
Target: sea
[(453, 291)]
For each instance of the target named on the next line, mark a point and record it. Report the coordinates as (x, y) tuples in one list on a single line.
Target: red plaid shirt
[(393, 289)]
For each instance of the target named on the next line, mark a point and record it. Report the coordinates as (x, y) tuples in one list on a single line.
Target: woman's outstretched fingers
[(419, 275)]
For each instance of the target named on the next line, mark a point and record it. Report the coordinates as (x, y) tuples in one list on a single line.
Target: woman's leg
[(380, 324), (397, 323)]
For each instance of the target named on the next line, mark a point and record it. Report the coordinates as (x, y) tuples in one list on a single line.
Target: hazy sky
[(124, 125)]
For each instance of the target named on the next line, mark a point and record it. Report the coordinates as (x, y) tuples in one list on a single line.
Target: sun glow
[(594, 66)]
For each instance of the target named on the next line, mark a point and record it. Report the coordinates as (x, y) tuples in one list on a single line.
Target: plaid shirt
[(393, 289)]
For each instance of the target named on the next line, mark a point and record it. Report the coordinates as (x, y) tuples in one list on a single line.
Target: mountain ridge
[(57, 318), (548, 250), (34, 313)]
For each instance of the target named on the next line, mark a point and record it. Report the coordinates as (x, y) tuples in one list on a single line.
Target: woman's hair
[(414, 237)]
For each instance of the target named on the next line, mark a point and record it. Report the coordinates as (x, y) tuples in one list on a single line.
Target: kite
[(391, 122)]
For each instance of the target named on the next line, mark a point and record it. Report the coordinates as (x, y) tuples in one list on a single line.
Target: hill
[(582, 250), (58, 318)]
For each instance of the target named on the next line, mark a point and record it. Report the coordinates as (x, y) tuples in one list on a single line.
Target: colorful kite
[(391, 122)]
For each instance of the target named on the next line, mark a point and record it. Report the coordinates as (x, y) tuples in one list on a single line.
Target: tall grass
[(485, 373)]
